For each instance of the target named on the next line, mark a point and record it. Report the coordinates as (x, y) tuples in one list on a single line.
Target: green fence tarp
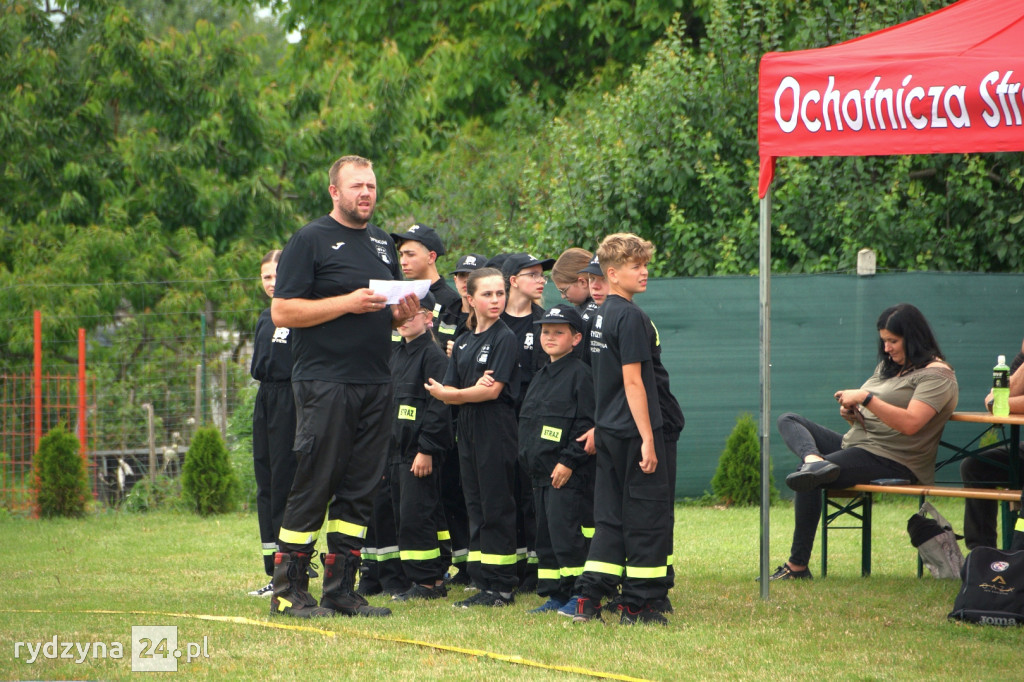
[(823, 338)]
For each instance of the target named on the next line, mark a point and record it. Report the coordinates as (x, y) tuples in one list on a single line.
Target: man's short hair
[(351, 160), (621, 248)]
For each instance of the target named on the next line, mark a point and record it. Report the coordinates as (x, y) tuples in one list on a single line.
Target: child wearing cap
[(418, 250), (524, 275), (632, 505), (421, 437), (453, 317), (557, 410)]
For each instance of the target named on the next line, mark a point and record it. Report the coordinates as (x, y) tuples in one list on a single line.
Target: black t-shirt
[(588, 313), (271, 351), (671, 413), (531, 355), (622, 334), (325, 259), (493, 349)]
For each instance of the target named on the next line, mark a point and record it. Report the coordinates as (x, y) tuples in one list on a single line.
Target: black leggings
[(856, 465)]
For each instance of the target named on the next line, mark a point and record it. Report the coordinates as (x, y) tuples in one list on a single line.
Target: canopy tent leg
[(764, 293)]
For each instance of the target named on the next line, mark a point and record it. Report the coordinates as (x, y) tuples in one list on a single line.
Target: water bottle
[(1001, 388)]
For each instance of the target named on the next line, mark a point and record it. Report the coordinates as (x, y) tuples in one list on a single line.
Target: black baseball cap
[(562, 313), (593, 267), (422, 234), (470, 262), (498, 260), (428, 302), (517, 262)]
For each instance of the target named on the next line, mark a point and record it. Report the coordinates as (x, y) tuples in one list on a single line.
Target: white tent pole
[(764, 291)]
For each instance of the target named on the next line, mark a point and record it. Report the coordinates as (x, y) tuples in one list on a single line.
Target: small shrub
[(59, 474), (738, 477), (208, 482), (146, 496)]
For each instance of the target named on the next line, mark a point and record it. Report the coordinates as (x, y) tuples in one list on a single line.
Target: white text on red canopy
[(998, 102)]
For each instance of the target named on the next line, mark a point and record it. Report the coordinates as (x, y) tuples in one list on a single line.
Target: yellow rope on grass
[(516, 660)]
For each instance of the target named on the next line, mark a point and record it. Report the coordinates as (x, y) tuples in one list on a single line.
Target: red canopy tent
[(947, 82)]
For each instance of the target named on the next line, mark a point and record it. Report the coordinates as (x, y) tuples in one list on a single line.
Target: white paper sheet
[(396, 289)]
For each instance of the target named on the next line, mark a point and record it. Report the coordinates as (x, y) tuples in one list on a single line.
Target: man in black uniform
[(342, 386)]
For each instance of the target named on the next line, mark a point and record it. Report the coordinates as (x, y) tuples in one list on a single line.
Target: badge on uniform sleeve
[(407, 412), (551, 433)]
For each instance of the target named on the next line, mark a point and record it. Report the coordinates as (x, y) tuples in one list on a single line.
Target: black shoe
[(587, 609), (663, 605), (486, 598), (418, 591), (812, 475), (784, 572), (630, 615)]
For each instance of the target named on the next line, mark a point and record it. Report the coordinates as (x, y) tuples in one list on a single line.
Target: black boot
[(339, 581), (291, 588)]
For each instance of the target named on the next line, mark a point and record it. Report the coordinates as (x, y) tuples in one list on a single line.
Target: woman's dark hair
[(919, 344), (271, 257), (471, 284)]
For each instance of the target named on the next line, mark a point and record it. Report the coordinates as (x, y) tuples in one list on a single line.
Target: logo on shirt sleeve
[(407, 412), (280, 335)]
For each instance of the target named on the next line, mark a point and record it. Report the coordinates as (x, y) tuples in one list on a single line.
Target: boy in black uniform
[(557, 410), (632, 507), (273, 422), (422, 439), (342, 386), (524, 279)]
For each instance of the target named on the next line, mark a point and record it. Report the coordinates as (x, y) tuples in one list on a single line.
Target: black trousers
[(526, 524), (856, 465), (380, 565), (980, 515), (633, 517), (420, 521), (273, 462), (561, 547), (455, 548), (341, 439), (487, 456)]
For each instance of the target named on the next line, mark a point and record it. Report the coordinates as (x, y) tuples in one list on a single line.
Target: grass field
[(92, 580)]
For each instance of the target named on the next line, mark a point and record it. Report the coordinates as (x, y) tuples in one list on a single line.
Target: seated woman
[(896, 419)]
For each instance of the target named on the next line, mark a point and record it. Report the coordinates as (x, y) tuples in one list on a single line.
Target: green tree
[(208, 483), (737, 480), (59, 473), (672, 155), (471, 52)]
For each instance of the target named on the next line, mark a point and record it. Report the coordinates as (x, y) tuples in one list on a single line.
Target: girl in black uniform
[(422, 435), (487, 436), (273, 422)]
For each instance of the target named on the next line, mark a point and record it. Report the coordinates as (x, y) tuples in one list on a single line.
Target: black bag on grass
[(936, 542), (992, 592)]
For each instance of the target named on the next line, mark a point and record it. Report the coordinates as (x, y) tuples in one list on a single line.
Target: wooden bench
[(858, 503)]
